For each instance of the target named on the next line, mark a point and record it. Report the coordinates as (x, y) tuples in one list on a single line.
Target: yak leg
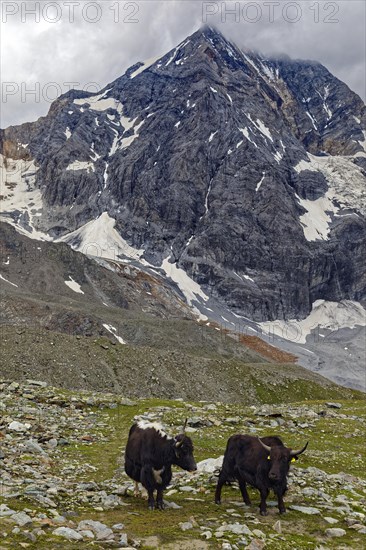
[(150, 499), (147, 480), (263, 506), (137, 491), (281, 504), (159, 499), (244, 492), (221, 481)]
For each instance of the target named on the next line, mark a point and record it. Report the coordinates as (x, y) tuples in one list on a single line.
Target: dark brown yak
[(262, 463)]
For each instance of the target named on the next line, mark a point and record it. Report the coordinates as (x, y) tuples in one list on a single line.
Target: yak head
[(183, 450), (280, 458)]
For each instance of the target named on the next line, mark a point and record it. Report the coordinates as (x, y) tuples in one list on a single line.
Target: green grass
[(329, 448), (335, 445)]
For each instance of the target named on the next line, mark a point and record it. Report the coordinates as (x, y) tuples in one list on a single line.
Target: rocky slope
[(56, 491), (246, 172), (107, 326), (53, 273)]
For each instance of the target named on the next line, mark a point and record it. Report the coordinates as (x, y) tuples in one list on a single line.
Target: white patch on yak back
[(145, 425)]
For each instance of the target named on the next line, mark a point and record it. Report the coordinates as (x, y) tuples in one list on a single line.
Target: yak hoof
[(264, 513), (217, 501), (160, 505), (283, 511), (151, 506)]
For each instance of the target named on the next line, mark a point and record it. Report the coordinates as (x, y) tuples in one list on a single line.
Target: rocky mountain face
[(245, 172)]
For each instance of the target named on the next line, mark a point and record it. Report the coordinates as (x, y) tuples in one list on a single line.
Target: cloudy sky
[(49, 46)]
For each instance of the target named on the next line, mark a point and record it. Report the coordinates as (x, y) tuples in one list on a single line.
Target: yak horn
[(298, 452), (268, 449), (180, 443)]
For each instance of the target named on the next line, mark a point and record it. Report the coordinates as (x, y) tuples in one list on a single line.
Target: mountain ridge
[(164, 168)]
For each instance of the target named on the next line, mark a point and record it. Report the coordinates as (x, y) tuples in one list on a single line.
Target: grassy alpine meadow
[(62, 466)]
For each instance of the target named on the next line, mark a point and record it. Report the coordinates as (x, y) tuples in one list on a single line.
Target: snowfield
[(347, 189), (21, 202), (346, 181), (330, 315), (100, 239)]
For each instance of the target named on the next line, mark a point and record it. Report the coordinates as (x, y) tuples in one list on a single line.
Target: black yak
[(262, 463), (150, 454)]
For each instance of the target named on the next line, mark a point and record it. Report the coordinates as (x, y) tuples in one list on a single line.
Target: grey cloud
[(85, 52)]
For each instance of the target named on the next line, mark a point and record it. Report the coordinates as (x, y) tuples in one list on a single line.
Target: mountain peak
[(213, 36), (208, 30)]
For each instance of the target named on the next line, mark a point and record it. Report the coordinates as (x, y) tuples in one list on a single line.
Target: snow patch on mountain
[(113, 331), (317, 219), (306, 165), (189, 288), (100, 239), (278, 156), (347, 183), (7, 281), (172, 57), (329, 315), (269, 72), (260, 182), (94, 153), (363, 143), (146, 64), (73, 285), (127, 123), (206, 198), (245, 133), (251, 62), (262, 128), (113, 148), (324, 100), (20, 202), (81, 165), (100, 102), (126, 142), (313, 121)]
